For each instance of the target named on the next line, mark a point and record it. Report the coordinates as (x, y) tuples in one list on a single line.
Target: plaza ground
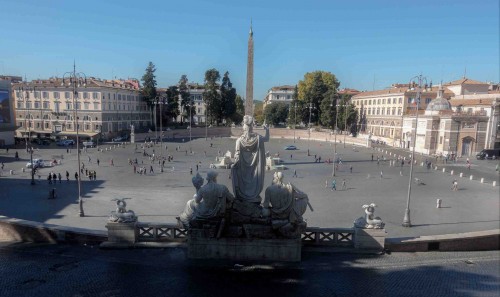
[(161, 196)]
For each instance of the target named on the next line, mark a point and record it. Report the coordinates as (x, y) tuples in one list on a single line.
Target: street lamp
[(24, 92), (206, 120), (294, 121), (421, 83), (75, 80), (345, 120), (190, 121)]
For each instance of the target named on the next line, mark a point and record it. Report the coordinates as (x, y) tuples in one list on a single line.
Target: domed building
[(439, 104)]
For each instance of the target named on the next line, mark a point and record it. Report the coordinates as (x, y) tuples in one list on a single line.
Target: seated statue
[(191, 205), (286, 205), (211, 201)]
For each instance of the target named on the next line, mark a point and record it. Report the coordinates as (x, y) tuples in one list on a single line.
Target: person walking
[(98, 162), (350, 168), (326, 183), (454, 186), (191, 171), (402, 162), (372, 157), (295, 173), (112, 163), (151, 169), (90, 160), (67, 175), (49, 178), (344, 185), (54, 177), (381, 174), (59, 176), (334, 185)]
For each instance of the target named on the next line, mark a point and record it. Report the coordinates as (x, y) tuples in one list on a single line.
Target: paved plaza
[(161, 196), (63, 270)]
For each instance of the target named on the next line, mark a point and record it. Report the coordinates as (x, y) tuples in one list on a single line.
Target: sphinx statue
[(121, 214)]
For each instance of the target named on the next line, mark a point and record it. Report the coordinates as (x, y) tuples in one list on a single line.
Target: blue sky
[(366, 44)]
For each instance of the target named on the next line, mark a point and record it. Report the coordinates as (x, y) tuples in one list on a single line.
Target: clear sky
[(366, 44)]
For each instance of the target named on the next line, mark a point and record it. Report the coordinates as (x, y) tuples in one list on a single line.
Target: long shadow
[(422, 225)]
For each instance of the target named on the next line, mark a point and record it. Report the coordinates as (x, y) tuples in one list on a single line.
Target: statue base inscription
[(205, 248), (122, 232)]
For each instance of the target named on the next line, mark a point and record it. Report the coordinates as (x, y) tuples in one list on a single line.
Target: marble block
[(122, 232), (370, 239)]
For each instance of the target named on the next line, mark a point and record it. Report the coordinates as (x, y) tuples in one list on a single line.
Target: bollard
[(471, 177), (444, 169), (461, 174), (451, 172), (422, 164), (436, 168), (11, 172), (494, 183), (22, 170), (438, 203), (482, 180)]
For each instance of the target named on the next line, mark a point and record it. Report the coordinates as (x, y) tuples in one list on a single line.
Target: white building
[(279, 94), (45, 108)]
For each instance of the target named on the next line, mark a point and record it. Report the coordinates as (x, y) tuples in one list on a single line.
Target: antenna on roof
[(465, 72)]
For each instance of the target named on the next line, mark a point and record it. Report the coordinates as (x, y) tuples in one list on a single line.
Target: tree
[(348, 110), (276, 113), (292, 114), (185, 98), (228, 97), (149, 86), (313, 89), (258, 111), (237, 117), (210, 95), (171, 108)]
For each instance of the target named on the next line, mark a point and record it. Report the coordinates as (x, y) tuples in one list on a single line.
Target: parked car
[(37, 163), (66, 142), (290, 148), (117, 139), (488, 154), (88, 144)]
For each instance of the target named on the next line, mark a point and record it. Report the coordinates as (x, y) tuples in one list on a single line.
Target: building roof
[(92, 82), (471, 102), (465, 81), (405, 91), (348, 91), (283, 88)]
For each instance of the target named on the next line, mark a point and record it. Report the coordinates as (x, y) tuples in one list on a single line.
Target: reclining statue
[(210, 201), (285, 205)]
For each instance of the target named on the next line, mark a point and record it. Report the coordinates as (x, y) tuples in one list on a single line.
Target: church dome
[(438, 104)]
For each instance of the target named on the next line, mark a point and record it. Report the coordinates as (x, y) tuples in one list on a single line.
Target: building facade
[(7, 123), (105, 108), (279, 94)]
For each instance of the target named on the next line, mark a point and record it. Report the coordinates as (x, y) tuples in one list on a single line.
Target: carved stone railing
[(313, 236), (339, 237), (160, 232)]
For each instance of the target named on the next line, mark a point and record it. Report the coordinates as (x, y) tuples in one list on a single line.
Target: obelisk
[(249, 93)]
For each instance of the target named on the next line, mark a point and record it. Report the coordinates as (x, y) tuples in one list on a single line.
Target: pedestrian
[(350, 168), (191, 170), (454, 186), (334, 185), (378, 160), (67, 150), (400, 172), (49, 178), (67, 175), (98, 162), (54, 177), (59, 176), (135, 169), (151, 169), (112, 163), (295, 173), (344, 185), (326, 183), (402, 162), (95, 175), (291, 157), (319, 159), (76, 175), (17, 156), (197, 167), (86, 172), (381, 174), (90, 161), (372, 157), (3, 165)]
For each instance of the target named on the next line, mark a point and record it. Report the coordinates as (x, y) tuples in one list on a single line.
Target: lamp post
[(294, 121), (206, 120), (309, 127), (24, 92), (345, 120), (421, 82), (335, 140), (75, 80), (161, 125)]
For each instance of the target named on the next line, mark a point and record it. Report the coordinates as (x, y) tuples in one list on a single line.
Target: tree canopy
[(149, 84), (185, 98), (210, 95), (276, 113)]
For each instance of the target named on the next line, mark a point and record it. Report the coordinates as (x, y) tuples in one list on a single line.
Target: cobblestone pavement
[(64, 270), (161, 196)]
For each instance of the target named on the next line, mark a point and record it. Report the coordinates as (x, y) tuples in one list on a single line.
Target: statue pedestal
[(132, 138), (122, 232), (201, 247), (369, 239)]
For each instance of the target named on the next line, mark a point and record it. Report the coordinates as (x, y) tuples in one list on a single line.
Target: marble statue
[(249, 164), (210, 201), (122, 215), (285, 201), (191, 205), (369, 221)]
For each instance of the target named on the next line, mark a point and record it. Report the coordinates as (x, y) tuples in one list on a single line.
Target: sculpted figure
[(210, 201), (122, 215), (284, 202), (369, 221), (249, 164), (191, 205)]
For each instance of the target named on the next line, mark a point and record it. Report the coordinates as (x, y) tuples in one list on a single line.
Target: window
[(400, 100), (393, 100), (199, 110), (394, 111), (119, 96), (428, 100), (95, 95), (38, 125), (440, 139), (383, 101), (78, 105), (68, 126), (67, 95), (86, 105), (96, 106), (69, 106), (45, 105), (56, 95), (85, 95), (20, 124), (56, 106), (37, 104), (46, 125), (86, 118), (19, 105), (37, 94), (109, 96), (45, 95), (378, 101), (109, 106), (28, 104)]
